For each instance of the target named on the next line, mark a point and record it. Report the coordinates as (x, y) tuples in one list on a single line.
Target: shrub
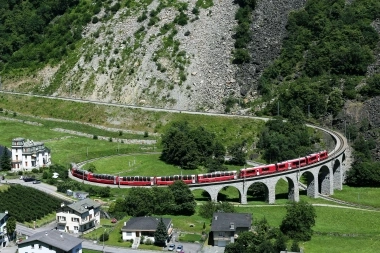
[(95, 20), (104, 237), (95, 137), (146, 134), (35, 170), (187, 33)]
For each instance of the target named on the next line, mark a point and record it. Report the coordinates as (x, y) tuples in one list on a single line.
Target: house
[(3, 231), (28, 155), (225, 227), (51, 241), (79, 216), (146, 226)]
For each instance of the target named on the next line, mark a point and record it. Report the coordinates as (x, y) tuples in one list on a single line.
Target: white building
[(49, 242), (3, 231), (28, 155), (144, 226), (79, 216)]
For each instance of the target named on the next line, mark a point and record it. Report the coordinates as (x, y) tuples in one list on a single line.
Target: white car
[(171, 247)]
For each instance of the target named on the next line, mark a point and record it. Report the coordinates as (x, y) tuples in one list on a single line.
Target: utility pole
[(308, 110)]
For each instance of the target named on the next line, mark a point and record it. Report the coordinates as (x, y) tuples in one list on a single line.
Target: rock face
[(126, 60), (268, 32)]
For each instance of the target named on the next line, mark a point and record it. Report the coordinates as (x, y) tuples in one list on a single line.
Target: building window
[(39, 246), (75, 227), (32, 246), (26, 164), (50, 247), (221, 233), (129, 233), (75, 219)]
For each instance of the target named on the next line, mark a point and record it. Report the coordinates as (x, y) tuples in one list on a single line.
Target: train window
[(265, 169), (176, 177)]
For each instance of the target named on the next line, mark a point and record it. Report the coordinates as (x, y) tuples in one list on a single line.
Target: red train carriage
[(216, 176), (299, 162), (323, 155), (82, 174), (312, 158), (103, 179), (136, 181), (256, 171), (282, 166), (168, 180)]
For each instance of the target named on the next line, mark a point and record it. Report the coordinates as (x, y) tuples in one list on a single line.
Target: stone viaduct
[(322, 178)]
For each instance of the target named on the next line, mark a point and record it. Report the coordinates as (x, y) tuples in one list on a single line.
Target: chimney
[(232, 225), (45, 233), (216, 217), (61, 235), (6, 212)]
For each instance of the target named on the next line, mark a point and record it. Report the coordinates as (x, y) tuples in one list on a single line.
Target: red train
[(200, 178)]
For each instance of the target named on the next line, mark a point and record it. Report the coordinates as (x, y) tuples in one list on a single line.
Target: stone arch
[(337, 175), (311, 183), (228, 192), (325, 181), (257, 191), (201, 194), (292, 192), (205, 190)]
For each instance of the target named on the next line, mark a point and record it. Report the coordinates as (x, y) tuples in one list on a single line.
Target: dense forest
[(33, 33), (327, 51)]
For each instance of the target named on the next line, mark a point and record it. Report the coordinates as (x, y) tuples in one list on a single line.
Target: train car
[(257, 171), (297, 163), (136, 181), (312, 158), (81, 174), (323, 155), (168, 180), (282, 166), (103, 179), (216, 176)]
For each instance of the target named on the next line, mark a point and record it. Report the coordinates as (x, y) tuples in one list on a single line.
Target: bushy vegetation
[(329, 46), (35, 32), (210, 207), (17, 197), (98, 191), (283, 140), (242, 32), (188, 148), (176, 199)]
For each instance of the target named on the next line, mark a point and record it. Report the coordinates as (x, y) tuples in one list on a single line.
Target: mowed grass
[(228, 129), (367, 196), (334, 244)]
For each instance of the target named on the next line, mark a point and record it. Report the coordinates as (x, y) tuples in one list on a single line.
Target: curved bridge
[(322, 178)]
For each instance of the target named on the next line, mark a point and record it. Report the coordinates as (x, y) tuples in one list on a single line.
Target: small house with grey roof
[(226, 227), (146, 226), (28, 154), (78, 217), (51, 241)]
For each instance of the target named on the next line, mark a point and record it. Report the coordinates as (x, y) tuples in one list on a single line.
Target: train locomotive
[(200, 178)]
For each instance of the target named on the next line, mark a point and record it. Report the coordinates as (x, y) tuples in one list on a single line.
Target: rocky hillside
[(166, 54)]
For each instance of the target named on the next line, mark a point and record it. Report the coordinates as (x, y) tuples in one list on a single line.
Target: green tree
[(91, 168), (184, 202), (11, 227), (237, 152), (161, 234), (280, 243), (5, 161), (295, 247), (299, 220), (163, 200), (139, 202)]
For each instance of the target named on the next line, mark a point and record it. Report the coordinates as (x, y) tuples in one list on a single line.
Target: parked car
[(36, 182), (171, 247), (29, 179), (179, 248)]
